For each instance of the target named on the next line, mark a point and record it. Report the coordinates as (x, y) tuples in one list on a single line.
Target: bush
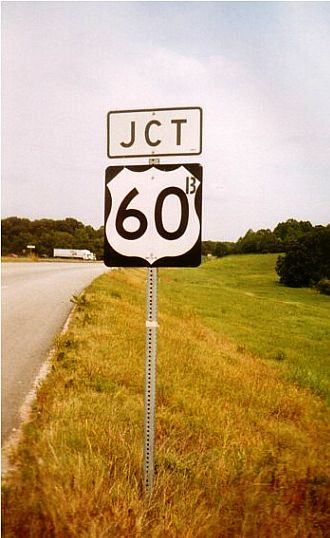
[(324, 286), (307, 260)]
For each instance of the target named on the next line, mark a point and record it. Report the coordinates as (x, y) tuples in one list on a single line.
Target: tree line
[(304, 249), (304, 258), (262, 241), (46, 234)]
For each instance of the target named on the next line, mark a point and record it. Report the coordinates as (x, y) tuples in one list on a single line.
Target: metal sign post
[(150, 376), (150, 380)]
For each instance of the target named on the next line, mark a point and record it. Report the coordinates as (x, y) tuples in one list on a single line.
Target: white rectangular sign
[(155, 132)]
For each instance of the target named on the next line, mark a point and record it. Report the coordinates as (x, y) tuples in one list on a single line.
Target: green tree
[(291, 230), (307, 259), (47, 234), (266, 241), (221, 249), (247, 244), (208, 247)]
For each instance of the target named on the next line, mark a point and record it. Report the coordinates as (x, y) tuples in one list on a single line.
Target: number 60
[(124, 213)]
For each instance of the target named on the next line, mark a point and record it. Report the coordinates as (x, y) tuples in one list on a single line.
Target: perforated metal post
[(150, 381)]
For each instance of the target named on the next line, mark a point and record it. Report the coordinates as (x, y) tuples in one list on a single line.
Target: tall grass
[(240, 450)]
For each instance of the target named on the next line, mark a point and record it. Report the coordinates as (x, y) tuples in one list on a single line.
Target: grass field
[(240, 297), (242, 437)]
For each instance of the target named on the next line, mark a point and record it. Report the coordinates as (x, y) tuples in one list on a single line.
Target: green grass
[(240, 297), (241, 450)]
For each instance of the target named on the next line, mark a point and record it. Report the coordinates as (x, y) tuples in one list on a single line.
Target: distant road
[(35, 306)]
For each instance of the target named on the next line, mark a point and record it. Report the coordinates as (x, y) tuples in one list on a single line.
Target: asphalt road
[(35, 306)]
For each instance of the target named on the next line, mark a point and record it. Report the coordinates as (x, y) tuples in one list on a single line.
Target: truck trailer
[(79, 254)]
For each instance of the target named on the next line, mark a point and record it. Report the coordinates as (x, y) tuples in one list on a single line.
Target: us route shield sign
[(153, 215)]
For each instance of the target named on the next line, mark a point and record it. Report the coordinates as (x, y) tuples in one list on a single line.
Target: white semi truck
[(79, 254)]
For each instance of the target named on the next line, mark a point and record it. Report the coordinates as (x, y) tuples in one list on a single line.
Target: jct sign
[(156, 132), (153, 215)]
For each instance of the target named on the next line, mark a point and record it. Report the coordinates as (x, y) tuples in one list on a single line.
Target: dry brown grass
[(239, 451)]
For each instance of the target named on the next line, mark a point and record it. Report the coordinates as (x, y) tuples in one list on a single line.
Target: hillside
[(241, 448)]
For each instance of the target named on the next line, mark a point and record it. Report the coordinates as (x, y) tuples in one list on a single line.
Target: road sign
[(153, 215), (155, 132)]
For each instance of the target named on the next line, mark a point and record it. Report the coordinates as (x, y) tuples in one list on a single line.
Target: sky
[(259, 70)]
